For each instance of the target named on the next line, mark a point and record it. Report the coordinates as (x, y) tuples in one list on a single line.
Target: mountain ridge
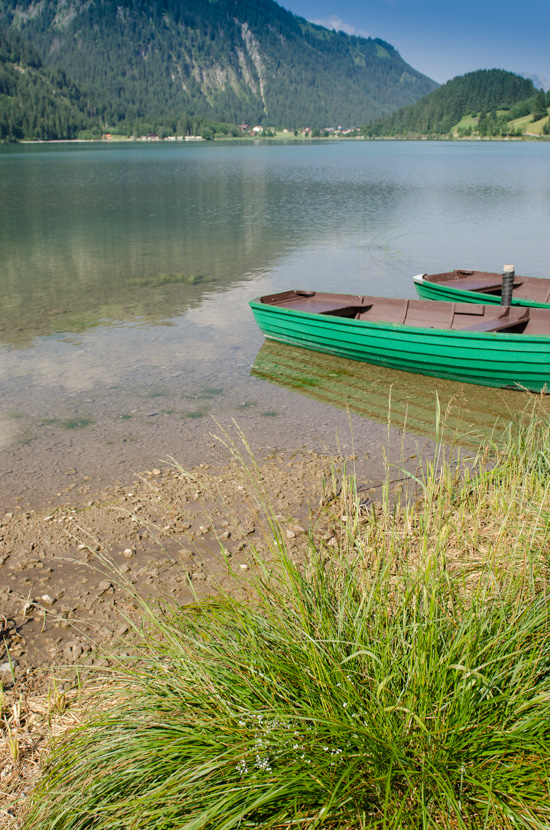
[(246, 61)]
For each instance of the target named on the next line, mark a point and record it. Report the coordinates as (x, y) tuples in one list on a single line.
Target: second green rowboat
[(482, 287)]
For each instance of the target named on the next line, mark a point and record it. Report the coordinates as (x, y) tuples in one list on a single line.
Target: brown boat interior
[(417, 313), (535, 289)]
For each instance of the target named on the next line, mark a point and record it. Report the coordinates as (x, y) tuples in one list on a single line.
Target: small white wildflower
[(242, 768)]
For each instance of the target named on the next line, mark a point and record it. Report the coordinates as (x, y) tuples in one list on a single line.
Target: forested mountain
[(233, 60), (36, 103), (484, 91)]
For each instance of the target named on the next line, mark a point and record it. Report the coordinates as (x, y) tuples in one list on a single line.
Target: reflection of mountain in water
[(406, 400), (98, 234), (106, 236)]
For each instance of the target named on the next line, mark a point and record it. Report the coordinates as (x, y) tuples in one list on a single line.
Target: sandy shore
[(66, 574)]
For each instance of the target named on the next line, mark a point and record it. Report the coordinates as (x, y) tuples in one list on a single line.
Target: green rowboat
[(502, 347), (482, 287)]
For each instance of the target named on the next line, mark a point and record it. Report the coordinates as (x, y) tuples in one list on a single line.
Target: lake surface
[(126, 271)]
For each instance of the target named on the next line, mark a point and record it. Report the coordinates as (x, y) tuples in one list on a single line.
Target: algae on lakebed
[(473, 414), (173, 279)]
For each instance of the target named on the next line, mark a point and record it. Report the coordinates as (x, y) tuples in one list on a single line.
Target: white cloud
[(338, 25)]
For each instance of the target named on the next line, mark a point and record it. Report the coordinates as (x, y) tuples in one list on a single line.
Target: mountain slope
[(484, 90), (233, 60), (35, 103)]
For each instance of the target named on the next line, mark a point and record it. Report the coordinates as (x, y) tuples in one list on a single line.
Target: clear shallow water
[(126, 272)]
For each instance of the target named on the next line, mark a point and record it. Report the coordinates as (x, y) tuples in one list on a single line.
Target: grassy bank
[(398, 676)]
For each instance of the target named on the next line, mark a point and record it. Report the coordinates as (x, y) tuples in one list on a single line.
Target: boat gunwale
[(429, 330)]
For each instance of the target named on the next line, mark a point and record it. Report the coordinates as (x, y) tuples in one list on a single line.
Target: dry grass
[(29, 721)]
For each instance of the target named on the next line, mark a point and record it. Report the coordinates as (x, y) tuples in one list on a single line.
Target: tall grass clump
[(398, 680)]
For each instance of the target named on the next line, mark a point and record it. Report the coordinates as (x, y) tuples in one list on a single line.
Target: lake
[(126, 271)]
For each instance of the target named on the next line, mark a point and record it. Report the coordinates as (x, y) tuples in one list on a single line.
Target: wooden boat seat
[(338, 311), (476, 284), (316, 305), (313, 302), (505, 321)]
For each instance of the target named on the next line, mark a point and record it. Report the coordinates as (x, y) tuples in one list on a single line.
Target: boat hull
[(501, 360), (444, 293)]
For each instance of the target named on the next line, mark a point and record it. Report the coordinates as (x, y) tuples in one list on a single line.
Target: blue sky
[(445, 39)]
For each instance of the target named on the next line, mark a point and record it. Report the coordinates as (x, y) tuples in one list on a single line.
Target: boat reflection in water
[(469, 413)]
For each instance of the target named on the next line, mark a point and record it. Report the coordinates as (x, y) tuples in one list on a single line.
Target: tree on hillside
[(539, 109)]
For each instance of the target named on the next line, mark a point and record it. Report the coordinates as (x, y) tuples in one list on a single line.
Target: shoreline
[(162, 533), (529, 137), (165, 528)]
